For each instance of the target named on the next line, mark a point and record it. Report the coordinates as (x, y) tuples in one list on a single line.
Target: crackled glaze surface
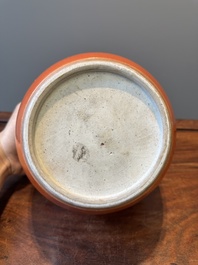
[(97, 141)]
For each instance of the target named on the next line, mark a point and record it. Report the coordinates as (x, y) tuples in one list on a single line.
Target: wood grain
[(161, 229)]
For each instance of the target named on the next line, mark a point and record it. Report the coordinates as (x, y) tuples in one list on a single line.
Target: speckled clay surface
[(96, 134)]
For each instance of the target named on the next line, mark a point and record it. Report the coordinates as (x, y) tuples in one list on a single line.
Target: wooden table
[(161, 229)]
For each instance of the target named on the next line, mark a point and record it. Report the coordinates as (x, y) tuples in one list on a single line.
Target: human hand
[(7, 142)]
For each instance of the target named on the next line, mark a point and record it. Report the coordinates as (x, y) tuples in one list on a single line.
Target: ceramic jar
[(95, 132)]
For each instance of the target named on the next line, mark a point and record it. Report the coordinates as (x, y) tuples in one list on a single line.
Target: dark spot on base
[(80, 152)]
